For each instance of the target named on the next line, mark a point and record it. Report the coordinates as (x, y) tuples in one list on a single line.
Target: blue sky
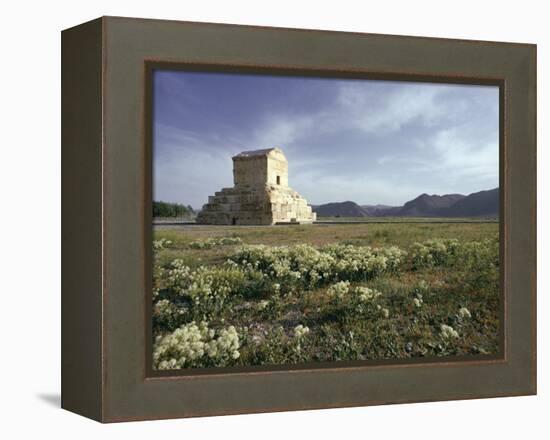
[(362, 140)]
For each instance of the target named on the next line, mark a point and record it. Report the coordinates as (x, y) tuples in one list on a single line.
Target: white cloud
[(190, 166), (385, 113), (417, 138), (281, 130), (465, 158)]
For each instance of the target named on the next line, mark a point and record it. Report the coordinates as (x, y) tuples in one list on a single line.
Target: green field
[(240, 296), (407, 220)]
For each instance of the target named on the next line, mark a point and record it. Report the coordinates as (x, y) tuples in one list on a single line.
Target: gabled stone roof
[(252, 153)]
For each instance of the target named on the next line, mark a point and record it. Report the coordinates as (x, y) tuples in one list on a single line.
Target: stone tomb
[(260, 195)]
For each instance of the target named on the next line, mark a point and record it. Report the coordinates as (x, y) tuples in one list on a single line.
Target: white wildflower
[(192, 342), (300, 331), (339, 289), (366, 294), (448, 332)]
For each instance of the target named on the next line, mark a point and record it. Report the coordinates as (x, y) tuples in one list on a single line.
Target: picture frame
[(106, 217)]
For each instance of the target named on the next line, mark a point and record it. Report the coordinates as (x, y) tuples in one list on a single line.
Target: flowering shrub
[(300, 331), (450, 252), (167, 314), (339, 289), (194, 345), (447, 332), (306, 266), (201, 283), (206, 288), (209, 243), (422, 286), (352, 301), (159, 245), (365, 294), (158, 273), (290, 266), (480, 262), (433, 253), (479, 254), (362, 263)]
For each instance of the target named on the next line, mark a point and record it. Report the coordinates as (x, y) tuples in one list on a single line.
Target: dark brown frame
[(106, 215)]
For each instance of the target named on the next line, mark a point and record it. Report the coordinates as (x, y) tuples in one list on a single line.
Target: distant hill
[(429, 206), (479, 204), (340, 209), (372, 210)]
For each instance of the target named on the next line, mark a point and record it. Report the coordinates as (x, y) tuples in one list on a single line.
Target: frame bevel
[(118, 132)]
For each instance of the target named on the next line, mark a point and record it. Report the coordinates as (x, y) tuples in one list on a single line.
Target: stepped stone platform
[(260, 195)]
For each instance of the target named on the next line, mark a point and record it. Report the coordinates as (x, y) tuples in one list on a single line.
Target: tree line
[(165, 209)]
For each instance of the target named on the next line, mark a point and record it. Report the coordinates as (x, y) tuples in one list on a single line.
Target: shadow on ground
[(52, 399)]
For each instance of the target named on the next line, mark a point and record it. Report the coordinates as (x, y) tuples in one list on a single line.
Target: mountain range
[(478, 204)]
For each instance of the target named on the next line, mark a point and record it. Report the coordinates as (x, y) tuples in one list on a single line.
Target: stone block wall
[(261, 195)]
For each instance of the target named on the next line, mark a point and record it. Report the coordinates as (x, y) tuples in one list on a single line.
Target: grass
[(407, 220), (407, 319), (375, 235)]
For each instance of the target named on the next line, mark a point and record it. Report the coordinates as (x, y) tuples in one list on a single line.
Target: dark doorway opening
[(233, 221), (278, 180)]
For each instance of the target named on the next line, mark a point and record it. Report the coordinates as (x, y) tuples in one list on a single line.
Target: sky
[(368, 141)]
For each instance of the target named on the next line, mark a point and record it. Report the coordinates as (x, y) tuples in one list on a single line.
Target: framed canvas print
[(264, 219)]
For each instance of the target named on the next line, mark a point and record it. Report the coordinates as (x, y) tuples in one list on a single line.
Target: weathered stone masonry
[(260, 196)]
